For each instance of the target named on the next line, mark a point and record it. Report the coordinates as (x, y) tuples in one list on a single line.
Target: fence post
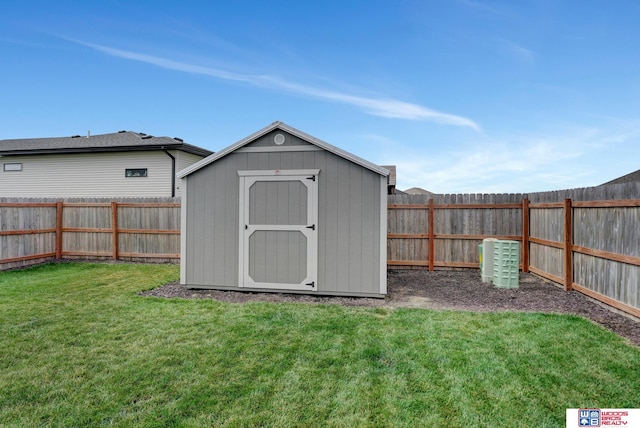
[(114, 227), (525, 235), (432, 234), (568, 241), (59, 230)]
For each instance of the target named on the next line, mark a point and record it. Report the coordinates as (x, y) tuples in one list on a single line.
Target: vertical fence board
[(431, 230), (568, 251), (525, 235)]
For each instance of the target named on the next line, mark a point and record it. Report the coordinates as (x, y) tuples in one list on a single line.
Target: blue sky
[(464, 96)]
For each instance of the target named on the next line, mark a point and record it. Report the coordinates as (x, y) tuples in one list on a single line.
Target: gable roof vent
[(122, 132), (146, 137), (178, 139), (75, 136)]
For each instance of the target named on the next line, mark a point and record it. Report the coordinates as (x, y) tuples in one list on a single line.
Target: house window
[(12, 167), (135, 172)]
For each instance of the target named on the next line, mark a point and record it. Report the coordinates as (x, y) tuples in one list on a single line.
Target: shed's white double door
[(278, 229)]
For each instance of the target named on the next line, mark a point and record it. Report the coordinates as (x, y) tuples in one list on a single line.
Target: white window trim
[(12, 167)]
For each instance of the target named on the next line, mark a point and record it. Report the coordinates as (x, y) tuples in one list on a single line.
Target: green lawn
[(79, 347)]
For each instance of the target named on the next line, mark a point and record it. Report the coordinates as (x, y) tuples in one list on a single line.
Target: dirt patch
[(457, 290)]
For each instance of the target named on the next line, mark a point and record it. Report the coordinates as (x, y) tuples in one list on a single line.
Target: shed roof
[(117, 141), (293, 131)]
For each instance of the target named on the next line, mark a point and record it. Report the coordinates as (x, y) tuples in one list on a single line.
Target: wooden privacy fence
[(447, 235), (591, 246), (33, 231), (588, 246)]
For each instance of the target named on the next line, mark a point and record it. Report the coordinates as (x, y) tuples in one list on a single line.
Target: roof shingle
[(117, 141), (629, 178)]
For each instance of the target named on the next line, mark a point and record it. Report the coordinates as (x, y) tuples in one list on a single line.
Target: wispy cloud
[(519, 51), (482, 6), (384, 107), (570, 158)]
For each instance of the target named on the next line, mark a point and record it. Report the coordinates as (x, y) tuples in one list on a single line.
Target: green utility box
[(486, 261), (506, 264)]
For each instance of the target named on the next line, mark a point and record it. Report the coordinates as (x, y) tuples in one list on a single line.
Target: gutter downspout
[(173, 172)]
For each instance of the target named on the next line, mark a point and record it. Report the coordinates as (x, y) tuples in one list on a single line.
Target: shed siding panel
[(370, 230), (215, 257), (348, 219), (87, 175), (237, 162), (195, 246), (342, 221), (355, 227), (352, 219), (286, 160), (267, 140), (211, 262), (328, 186)]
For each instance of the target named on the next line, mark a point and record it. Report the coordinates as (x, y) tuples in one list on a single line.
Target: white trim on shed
[(283, 211), (293, 131)]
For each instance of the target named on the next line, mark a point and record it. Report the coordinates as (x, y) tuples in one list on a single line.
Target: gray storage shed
[(283, 211)]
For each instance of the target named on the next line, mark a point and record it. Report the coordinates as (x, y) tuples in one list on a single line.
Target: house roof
[(293, 131), (629, 178), (418, 191), (115, 142)]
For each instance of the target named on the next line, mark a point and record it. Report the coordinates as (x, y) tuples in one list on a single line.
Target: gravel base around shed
[(446, 290)]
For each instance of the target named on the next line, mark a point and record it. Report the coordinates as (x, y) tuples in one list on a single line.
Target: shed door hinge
[(312, 178), (312, 227), (312, 283)]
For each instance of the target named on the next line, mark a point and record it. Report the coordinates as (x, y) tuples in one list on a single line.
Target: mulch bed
[(446, 289)]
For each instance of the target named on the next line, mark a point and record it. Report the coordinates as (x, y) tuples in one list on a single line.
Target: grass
[(79, 347)]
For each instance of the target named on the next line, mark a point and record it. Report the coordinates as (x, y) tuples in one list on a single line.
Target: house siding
[(90, 174), (87, 175), (349, 215), (183, 160)]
